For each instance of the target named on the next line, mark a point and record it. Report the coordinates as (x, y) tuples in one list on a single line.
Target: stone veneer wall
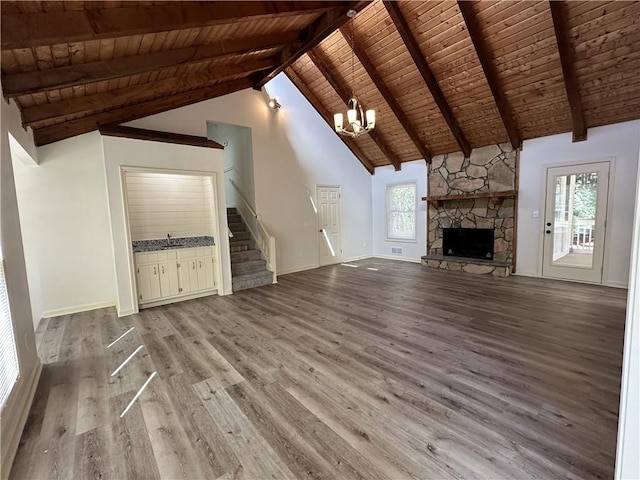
[(488, 169)]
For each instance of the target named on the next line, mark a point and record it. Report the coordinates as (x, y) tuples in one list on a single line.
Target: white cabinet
[(169, 282), (209, 273), (172, 274), (148, 283)]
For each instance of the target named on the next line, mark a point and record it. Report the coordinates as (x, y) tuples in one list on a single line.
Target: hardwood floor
[(403, 372)]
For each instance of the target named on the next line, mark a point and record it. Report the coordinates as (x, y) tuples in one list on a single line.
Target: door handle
[(548, 224), (162, 268), (548, 231), (321, 230)]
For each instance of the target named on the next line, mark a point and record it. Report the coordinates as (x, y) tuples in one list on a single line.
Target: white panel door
[(575, 222), (330, 224)]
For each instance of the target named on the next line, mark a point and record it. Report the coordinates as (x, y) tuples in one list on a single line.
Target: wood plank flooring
[(349, 373)]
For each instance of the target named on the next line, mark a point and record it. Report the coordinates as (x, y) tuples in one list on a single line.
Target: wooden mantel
[(439, 199)]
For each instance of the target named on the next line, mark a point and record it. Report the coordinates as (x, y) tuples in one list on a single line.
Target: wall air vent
[(396, 250)]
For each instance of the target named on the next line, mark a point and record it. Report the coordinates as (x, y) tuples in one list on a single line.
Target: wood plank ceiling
[(443, 76)]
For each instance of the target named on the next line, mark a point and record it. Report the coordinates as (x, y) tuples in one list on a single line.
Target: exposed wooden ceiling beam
[(49, 28), (559, 16), (41, 80), (427, 75), (157, 136), (322, 63), (311, 36), (113, 98), (54, 133), (328, 117), (486, 61), (389, 97)]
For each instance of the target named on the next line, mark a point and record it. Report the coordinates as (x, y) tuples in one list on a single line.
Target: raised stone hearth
[(488, 171), (468, 265)]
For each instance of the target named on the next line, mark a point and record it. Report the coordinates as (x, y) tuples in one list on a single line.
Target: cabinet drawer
[(194, 252), (155, 257)]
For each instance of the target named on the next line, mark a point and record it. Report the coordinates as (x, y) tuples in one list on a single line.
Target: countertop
[(175, 243)]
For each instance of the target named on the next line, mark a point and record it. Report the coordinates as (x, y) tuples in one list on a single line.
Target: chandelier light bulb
[(338, 121), (351, 115)]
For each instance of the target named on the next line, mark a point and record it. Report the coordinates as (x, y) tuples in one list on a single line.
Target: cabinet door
[(209, 273), (183, 277), (148, 283), (169, 278), (202, 275), (193, 274)]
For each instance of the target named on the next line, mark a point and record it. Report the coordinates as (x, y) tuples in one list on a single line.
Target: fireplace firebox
[(468, 242)]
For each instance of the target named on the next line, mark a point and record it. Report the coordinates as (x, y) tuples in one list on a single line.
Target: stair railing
[(266, 242)]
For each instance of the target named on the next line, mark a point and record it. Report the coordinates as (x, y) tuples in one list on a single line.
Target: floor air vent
[(396, 250)]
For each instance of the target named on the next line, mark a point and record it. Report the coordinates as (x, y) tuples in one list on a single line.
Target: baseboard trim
[(355, 259), (396, 257), (178, 298), (10, 447), (126, 313), (530, 275), (77, 309), (298, 269), (615, 284)]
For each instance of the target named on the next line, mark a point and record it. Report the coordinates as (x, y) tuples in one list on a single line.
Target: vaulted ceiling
[(443, 76)]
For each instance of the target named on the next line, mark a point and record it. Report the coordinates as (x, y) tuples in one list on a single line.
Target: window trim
[(388, 188), (8, 330)]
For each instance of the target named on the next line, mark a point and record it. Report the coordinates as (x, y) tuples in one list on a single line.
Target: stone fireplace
[(475, 193)]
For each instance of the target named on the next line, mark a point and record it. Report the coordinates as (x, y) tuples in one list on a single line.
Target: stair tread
[(245, 276)]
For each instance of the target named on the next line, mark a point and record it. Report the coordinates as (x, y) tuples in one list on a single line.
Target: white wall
[(411, 172), (620, 142), (14, 413), (238, 160), (65, 227), (161, 204), (627, 459), (126, 152), (293, 151)]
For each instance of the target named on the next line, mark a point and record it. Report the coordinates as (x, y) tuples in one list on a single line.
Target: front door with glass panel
[(575, 221)]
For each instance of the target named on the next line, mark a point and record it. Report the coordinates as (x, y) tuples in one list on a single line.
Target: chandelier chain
[(358, 123)]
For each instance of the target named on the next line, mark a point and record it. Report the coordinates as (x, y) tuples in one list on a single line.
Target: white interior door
[(329, 224), (575, 221)]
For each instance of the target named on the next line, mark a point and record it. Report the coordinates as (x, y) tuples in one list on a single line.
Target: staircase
[(248, 269)]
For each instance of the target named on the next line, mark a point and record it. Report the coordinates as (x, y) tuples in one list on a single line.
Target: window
[(401, 212), (8, 356)]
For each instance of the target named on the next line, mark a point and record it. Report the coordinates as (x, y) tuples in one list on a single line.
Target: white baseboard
[(530, 275), (77, 309), (21, 399), (355, 259), (614, 284), (298, 269), (398, 257), (179, 298), (126, 313), (611, 283)]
